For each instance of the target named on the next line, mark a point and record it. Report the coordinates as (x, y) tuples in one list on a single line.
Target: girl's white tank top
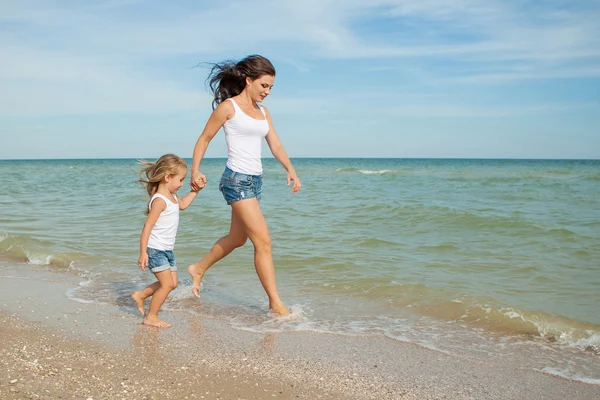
[(244, 136), (162, 236)]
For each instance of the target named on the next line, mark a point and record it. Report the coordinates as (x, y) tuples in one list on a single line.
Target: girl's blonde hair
[(154, 172)]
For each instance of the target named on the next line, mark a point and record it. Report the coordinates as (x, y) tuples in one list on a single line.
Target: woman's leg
[(249, 214), (225, 245), (165, 279)]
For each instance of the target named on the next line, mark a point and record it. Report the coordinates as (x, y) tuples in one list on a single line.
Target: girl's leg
[(165, 280), (225, 245), (175, 279), (249, 214), (141, 295)]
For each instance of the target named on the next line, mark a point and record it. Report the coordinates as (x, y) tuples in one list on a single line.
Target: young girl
[(162, 180)]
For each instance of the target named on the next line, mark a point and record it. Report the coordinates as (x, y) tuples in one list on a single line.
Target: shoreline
[(199, 355)]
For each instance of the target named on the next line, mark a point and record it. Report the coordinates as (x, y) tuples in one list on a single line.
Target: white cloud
[(491, 28), (528, 74), (38, 82), (474, 111), (77, 58)]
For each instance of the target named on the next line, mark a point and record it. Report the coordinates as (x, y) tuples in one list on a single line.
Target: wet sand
[(55, 348)]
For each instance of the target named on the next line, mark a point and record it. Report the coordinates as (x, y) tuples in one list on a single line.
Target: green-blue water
[(488, 259)]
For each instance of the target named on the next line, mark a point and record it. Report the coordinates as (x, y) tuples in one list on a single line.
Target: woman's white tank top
[(244, 136), (162, 236)]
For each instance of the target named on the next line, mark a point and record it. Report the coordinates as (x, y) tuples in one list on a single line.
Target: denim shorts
[(237, 186), (161, 260)]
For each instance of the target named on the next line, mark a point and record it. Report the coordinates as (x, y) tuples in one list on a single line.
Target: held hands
[(198, 181), (143, 261), (293, 177)]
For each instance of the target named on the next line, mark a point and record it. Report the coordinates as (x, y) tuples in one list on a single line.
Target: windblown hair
[(228, 78), (154, 172)]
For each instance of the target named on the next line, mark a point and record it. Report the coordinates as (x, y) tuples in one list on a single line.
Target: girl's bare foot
[(196, 279), (139, 301), (155, 321), (279, 309)]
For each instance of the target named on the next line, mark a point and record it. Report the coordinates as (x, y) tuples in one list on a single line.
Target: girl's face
[(260, 87), (174, 182)]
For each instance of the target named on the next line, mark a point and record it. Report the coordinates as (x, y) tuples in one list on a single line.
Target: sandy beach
[(55, 348)]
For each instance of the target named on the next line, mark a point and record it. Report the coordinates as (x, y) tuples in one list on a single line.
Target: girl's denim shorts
[(237, 186), (161, 260)]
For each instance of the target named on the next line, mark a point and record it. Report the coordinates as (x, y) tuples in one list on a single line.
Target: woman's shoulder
[(226, 109), (266, 110)]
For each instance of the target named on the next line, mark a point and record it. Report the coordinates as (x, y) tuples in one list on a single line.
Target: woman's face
[(259, 88)]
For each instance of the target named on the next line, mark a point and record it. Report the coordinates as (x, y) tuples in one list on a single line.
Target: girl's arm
[(158, 206), (186, 200), (280, 154), (218, 117)]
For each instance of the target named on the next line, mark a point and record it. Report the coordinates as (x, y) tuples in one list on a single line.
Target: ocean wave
[(374, 242), (440, 247), (369, 171), (484, 177), (447, 217), (477, 312), (513, 321), (442, 216), (25, 249), (594, 177)]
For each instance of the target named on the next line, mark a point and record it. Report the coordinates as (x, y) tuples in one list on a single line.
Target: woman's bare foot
[(279, 309), (196, 279), (155, 321), (139, 301)]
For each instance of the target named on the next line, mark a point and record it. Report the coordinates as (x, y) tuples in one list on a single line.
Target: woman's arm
[(216, 120), (158, 206), (281, 155)]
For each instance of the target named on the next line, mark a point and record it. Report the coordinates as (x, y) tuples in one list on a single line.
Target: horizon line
[(313, 158)]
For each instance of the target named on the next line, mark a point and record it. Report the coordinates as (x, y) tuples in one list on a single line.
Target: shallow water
[(486, 259)]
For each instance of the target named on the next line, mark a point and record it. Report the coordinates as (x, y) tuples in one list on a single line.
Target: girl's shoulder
[(157, 204), (157, 197), (162, 200)]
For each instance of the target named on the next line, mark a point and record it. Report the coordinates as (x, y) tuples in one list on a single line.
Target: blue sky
[(355, 78)]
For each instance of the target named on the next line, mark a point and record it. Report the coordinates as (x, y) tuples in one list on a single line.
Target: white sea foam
[(373, 172), (591, 342), (569, 375), (72, 294)]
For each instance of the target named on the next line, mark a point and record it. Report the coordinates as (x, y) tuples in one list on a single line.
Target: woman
[(238, 89)]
